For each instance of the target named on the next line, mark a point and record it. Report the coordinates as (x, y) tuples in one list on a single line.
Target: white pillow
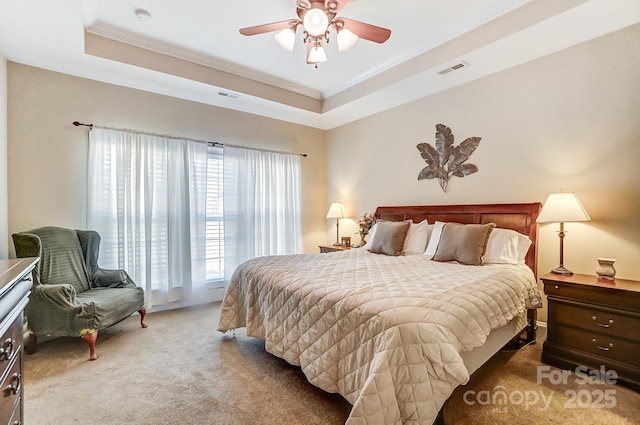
[(417, 237), (434, 239), (506, 247), (369, 237)]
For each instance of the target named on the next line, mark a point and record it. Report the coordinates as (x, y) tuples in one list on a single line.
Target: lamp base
[(562, 270)]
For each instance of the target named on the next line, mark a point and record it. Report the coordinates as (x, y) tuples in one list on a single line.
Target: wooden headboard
[(518, 217)]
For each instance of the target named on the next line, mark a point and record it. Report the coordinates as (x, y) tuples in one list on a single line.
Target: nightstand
[(333, 248), (593, 323)]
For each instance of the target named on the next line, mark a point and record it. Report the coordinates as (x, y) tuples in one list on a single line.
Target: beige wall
[(569, 120), (47, 155), (3, 159)]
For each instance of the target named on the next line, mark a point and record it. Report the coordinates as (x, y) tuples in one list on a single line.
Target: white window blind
[(215, 217)]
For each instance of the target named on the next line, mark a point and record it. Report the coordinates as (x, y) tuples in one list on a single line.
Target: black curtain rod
[(91, 126)]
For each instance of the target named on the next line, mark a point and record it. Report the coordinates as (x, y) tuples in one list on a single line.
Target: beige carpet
[(181, 371), (515, 375)]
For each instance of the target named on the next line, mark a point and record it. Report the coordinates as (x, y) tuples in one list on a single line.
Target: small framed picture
[(345, 241)]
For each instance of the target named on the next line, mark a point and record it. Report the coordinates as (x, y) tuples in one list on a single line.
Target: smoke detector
[(142, 16)]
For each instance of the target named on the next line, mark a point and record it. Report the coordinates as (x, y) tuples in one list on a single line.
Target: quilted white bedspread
[(385, 332)]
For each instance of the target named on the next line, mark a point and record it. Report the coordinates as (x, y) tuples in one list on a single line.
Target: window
[(179, 215)]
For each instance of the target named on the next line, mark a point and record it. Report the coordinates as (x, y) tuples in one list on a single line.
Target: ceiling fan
[(316, 18)]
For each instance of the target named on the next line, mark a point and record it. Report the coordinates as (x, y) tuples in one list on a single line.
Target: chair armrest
[(27, 244), (105, 278), (62, 295)]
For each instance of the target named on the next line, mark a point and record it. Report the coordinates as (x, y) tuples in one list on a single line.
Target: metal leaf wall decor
[(446, 160)]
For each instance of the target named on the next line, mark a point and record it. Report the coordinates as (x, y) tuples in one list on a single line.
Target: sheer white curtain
[(262, 205), (147, 198)]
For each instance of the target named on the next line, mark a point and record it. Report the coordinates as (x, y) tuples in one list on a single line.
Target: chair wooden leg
[(143, 312), (90, 339), (31, 344)]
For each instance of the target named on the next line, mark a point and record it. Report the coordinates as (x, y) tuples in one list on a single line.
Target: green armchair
[(71, 295)]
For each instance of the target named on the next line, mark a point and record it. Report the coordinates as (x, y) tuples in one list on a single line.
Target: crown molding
[(118, 34)]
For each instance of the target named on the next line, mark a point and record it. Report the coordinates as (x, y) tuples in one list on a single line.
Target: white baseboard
[(211, 296)]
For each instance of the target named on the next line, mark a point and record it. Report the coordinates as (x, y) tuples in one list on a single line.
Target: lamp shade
[(317, 54), (346, 39), (562, 207), (336, 210), (315, 22), (286, 39)]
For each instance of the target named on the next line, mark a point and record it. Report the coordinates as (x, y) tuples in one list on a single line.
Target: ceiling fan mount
[(317, 17)]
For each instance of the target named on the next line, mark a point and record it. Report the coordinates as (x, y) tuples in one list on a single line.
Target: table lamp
[(561, 208), (336, 211)]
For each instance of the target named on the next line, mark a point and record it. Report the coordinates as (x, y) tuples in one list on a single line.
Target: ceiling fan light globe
[(346, 39), (286, 39), (317, 55), (315, 22)]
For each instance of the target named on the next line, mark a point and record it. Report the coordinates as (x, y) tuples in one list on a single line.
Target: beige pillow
[(389, 237), (464, 243), (416, 240)]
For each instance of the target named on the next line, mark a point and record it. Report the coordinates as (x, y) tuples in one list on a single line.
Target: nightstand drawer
[(599, 345), (601, 321), (618, 294)]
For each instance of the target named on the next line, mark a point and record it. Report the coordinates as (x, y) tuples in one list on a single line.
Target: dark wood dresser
[(15, 287), (593, 323)]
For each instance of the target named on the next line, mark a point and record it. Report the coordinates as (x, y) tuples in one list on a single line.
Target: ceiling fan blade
[(274, 26), (366, 31)]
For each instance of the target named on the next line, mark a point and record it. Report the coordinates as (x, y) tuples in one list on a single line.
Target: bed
[(394, 335)]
